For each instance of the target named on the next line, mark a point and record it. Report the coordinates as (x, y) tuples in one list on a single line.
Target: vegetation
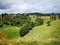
[(53, 17), (1, 25), (10, 31), (59, 16), (26, 28), (15, 20), (30, 29), (48, 23), (38, 21)]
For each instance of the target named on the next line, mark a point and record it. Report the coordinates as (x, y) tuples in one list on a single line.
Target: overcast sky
[(25, 6)]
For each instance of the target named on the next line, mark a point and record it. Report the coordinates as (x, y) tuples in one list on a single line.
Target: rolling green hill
[(45, 34), (39, 35), (10, 31)]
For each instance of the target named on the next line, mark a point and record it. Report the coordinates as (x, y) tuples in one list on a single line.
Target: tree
[(53, 17), (26, 28), (18, 15), (59, 16), (1, 20), (48, 23), (38, 21)]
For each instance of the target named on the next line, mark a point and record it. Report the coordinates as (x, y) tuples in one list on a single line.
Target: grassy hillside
[(47, 35), (44, 31), (10, 31), (13, 31), (39, 35)]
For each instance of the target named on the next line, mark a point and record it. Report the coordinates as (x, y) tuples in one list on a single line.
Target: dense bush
[(26, 28), (59, 16), (48, 23), (38, 21), (1, 25), (18, 20)]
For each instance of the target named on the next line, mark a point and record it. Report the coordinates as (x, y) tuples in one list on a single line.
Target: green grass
[(55, 26), (10, 31), (39, 35), (46, 34)]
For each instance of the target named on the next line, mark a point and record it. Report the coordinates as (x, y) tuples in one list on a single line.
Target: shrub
[(48, 23), (1, 25), (59, 16), (38, 21), (26, 28)]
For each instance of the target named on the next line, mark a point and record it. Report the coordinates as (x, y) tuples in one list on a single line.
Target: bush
[(1, 25), (59, 16), (26, 28), (48, 23), (38, 21)]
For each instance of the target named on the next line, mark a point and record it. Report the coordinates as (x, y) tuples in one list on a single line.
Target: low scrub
[(26, 28), (38, 21)]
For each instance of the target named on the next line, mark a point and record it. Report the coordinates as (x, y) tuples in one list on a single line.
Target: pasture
[(39, 35)]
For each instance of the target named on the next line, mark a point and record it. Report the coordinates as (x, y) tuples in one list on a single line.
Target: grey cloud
[(45, 6), (4, 5)]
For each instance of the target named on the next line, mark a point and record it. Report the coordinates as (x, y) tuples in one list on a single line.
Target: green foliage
[(38, 33), (1, 25), (16, 20), (59, 16), (26, 28), (29, 25), (53, 17), (10, 31), (38, 21), (48, 23)]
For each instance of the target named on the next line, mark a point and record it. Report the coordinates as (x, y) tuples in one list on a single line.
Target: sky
[(29, 6)]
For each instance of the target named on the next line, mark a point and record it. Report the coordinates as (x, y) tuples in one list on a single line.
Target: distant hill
[(42, 14)]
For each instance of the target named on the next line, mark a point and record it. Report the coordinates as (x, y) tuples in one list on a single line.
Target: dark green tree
[(38, 21), (53, 17), (59, 16), (26, 28)]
